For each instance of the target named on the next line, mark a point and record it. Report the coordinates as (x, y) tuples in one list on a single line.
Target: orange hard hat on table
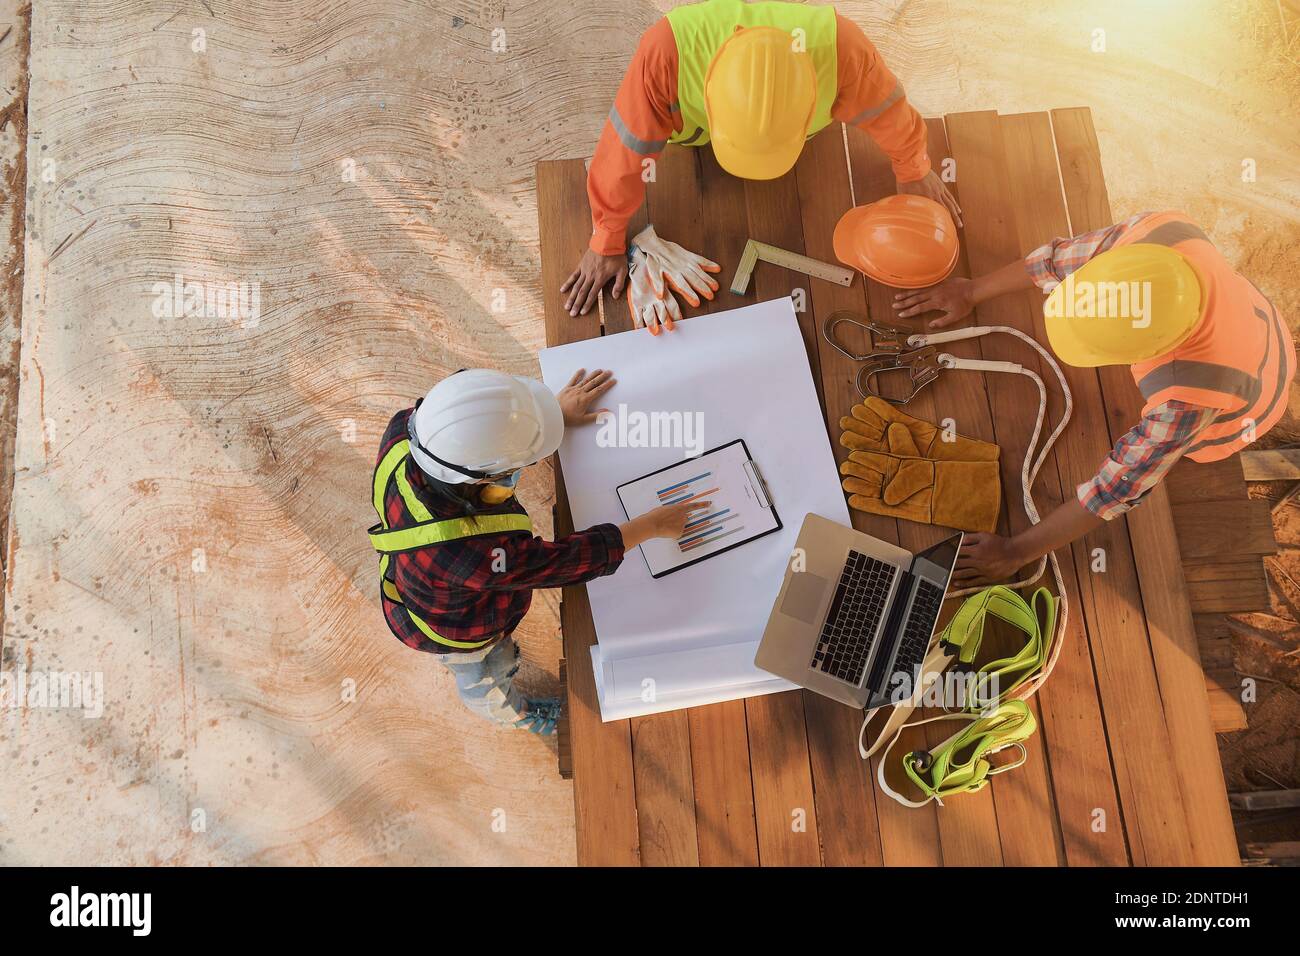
[(907, 242)]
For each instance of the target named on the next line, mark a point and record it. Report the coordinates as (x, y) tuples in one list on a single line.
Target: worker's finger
[(903, 299), (599, 390), (577, 377), (597, 377), (593, 295), (592, 417), (620, 281), (945, 320), (577, 294), (952, 207), (925, 305), (569, 281)]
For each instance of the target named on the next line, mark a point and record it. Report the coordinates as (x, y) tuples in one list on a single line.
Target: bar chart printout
[(737, 512)]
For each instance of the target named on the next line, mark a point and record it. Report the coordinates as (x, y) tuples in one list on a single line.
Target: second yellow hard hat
[(1127, 305), (760, 95)]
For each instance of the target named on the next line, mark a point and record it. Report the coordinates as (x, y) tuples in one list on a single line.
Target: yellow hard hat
[(760, 96), (1124, 306)]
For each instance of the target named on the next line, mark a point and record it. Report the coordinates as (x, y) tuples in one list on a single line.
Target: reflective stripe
[(1206, 375), (428, 532), (394, 540), (382, 473), (1169, 233), (433, 635), (699, 131), (644, 147), (872, 112), (1284, 374), (413, 504)]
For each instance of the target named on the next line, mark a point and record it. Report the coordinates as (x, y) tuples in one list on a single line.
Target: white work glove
[(671, 266), (655, 308)]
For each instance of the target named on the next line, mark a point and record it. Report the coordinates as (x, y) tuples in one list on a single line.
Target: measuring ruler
[(755, 250)]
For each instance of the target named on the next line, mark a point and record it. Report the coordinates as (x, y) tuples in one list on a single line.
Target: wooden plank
[(1207, 530), (968, 827), (1154, 542), (783, 792), (1278, 464), (1226, 586), (1152, 817), (665, 796), (1223, 692), (724, 791), (603, 786), (661, 751), (907, 837), (1190, 481), (1081, 774)]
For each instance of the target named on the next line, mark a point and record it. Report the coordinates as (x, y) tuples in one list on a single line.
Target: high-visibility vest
[(419, 529), (1240, 357), (699, 29)]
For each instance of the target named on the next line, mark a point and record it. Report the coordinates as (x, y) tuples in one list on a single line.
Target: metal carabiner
[(885, 339), (922, 366)]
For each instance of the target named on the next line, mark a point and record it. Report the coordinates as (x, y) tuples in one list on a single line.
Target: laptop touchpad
[(804, 596)]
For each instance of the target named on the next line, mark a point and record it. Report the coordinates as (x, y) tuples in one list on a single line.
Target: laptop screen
[(942, 555)]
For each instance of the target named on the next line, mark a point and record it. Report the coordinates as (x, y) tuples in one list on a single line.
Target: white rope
[(1034, 459), (1028, 472)]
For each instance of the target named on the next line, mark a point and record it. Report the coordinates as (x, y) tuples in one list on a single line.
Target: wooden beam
[(603, 787), (1279, 464), (1199, 773)]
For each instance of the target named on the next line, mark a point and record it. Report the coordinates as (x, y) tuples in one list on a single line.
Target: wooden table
[(1125, 767)]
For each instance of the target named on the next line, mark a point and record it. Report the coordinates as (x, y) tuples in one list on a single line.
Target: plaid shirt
[(1147, 451), (475, 589)]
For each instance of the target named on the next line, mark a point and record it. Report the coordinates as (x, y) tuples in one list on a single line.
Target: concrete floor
[(190, 494)]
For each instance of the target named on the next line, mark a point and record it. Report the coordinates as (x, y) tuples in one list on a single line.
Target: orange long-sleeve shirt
[(645, 114)]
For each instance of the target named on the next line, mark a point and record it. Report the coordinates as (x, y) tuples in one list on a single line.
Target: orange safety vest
[(1239, 359)]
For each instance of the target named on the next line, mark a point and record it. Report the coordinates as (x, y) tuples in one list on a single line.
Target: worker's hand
[(954, 297), (577, 397), (932, 187), (669, 521), (666, 521), (987, 559), (593, 272)]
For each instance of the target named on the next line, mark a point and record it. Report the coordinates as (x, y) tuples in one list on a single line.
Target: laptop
[(855, 615)]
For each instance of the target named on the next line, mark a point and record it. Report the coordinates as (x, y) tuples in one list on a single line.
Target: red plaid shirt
[(475, 589), (1147, 451)]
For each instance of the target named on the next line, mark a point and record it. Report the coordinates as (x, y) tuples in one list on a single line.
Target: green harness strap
[(961, 763), (994, 719), (965, 634), (427, 532)]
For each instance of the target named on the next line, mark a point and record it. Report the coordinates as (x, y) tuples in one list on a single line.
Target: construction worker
[(458, 558), (755, 80), (1209, 353)]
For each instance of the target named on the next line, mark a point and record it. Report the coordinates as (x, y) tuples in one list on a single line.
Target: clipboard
[(728, 476)]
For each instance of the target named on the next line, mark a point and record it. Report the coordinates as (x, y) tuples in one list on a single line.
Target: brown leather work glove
[(965, 495), (865, 431)]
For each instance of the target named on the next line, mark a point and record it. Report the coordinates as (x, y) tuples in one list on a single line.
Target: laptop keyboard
[(854, 617), (920, 626)]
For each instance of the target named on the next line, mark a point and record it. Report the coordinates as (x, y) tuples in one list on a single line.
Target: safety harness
[(993, 705), (996, 718), (423, 531)]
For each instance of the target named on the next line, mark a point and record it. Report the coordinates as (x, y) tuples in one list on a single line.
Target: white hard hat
[(478, 423)]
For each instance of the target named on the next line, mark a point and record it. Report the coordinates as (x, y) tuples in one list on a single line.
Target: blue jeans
[(485, 680)]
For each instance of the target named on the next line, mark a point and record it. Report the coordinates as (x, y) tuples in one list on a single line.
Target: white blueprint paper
[(689, 638)]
